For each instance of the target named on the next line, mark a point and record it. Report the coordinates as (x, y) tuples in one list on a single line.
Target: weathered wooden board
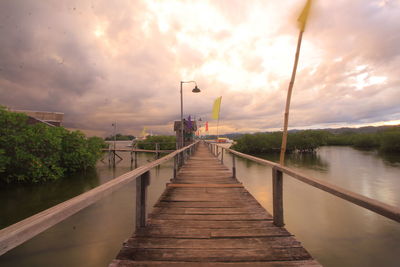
[(168, 210), (213, 217), (211, 224), (207, 218), (189, 232), (214, 255), (212, 243), (301, 263)]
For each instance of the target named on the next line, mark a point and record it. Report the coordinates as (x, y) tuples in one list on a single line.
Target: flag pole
[(288, 98), (302, 19), (219, 113), (217, 128)]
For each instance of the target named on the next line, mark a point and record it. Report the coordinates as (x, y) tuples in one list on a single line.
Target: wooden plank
[(175, 232), (214, 255), (202, 204), (253, 232), (205, 185), (212, 243), (297, 263), (211, 224), (213, 217), (236, 210), (187, 232)]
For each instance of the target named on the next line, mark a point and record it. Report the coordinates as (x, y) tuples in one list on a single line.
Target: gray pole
[(115, 134), (181, 117)]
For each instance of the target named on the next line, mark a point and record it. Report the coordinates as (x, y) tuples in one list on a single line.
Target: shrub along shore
[(309, 140), (166, 142), (38, 153)]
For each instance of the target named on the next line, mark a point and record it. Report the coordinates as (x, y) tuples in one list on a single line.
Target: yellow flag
[(304, 15), (144, 132), (216, 108)]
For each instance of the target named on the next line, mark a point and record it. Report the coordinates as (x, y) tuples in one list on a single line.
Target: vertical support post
[(182, 158), (136, 161), (277, 196), (216, 150), (233, 166), (222, 155), (141, 196), (175, 166), (157, 150)]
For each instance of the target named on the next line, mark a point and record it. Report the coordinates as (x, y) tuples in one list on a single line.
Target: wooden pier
[(205, 217)]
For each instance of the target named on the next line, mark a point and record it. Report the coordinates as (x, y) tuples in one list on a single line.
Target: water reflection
[(21, 201), (330, 227), (336, 232), (93, 236), (301, 160), (392, 159)]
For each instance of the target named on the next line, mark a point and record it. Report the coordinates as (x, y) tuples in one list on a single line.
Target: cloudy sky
[(102, 61)]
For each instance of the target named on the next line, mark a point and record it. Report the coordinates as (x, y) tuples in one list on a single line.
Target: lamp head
[(196, 89)]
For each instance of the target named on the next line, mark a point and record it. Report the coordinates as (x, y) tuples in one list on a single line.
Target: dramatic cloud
[(104, 61)]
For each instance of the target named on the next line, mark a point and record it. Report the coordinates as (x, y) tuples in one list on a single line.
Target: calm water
[(335, 232)]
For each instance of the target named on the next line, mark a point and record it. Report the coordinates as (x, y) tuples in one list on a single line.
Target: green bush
[(390, 140), (344, 139), (366, 141), (120, 137), (166, 142), (309, 140), (302, 141), (38, 153)]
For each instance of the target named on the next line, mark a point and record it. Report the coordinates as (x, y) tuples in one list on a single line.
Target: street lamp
[(195, 90)]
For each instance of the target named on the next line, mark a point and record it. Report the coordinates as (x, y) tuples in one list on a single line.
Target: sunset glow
[(123, 62)]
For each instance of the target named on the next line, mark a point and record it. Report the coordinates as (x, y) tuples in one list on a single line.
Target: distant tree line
[(387, 140), (120, 137), (166, 142), (38, 153)]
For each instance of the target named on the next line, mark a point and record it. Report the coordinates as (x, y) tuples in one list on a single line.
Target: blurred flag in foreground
[(304, 15)]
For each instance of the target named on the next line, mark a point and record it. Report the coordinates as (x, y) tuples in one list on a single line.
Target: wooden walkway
[(207, 218)]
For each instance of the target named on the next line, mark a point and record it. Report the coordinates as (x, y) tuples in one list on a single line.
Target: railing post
[(233, 166), (175, 166), (182, 159), (277, 196), (136, 161), (222, 155), (157, 150), (141, 196)]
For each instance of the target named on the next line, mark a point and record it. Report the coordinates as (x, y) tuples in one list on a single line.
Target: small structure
[(49, 118), (189, 129)]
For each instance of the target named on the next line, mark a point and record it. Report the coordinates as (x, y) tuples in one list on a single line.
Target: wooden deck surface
[(136, 150), (207, 218)]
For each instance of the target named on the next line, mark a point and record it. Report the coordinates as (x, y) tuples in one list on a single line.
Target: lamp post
[(195, 90)]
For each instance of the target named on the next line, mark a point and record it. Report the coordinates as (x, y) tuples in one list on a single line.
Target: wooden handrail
[(376, 206), (18, 233)]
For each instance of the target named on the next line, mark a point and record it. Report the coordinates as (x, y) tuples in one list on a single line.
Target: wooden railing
[(18, 233), (277, 186)]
